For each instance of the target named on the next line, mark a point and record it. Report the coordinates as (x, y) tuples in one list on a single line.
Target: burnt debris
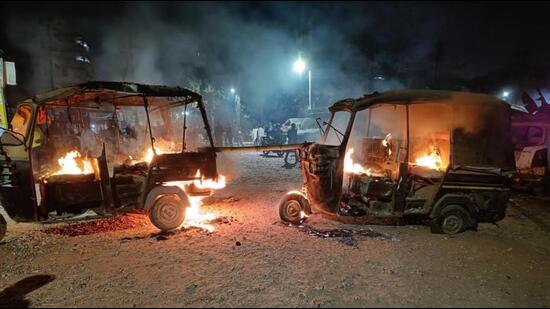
[(345, 236)]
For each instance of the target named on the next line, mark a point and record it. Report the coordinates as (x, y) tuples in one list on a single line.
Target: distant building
[(68, 56)]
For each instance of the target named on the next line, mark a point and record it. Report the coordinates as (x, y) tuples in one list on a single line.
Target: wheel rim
[(452, 224), (292, 159), (293, 210), (168, 210)]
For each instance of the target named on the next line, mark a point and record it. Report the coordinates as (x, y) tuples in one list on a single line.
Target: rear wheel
[(291, 158), (454, 219), (3, 227), (167, 212), (294, 208)]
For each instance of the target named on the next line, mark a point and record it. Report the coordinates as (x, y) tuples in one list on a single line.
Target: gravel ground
[(252, 260)]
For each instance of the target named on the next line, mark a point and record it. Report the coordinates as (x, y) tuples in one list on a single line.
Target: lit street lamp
[(299, 67)]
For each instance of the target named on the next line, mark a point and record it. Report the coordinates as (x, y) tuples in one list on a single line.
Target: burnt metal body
[(71, 193), (477, 179), (28, 199)]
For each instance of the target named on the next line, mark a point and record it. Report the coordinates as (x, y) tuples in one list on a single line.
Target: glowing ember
[(353, 168), (73, 164), (432, 160), (194, 217)]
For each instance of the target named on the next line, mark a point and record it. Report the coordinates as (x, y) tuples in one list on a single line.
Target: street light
[(232, 90), (299, 67)]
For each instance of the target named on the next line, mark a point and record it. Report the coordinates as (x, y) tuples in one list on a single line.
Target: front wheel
[(167, 212), (3, 227), (454, 219), (294, 208)]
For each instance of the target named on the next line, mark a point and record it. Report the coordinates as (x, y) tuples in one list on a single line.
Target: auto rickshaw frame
[(17, 181), (474, 188)]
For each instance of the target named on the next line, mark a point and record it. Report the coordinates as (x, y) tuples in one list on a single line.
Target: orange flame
[(194, 217), (73, 164), (353, 168), (161, 147), (432, 160), (386, 142)]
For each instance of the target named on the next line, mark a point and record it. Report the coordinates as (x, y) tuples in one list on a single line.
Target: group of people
[(273, 134), (226, 135)]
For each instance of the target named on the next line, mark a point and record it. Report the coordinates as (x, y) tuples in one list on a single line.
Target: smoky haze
[(351, 48)]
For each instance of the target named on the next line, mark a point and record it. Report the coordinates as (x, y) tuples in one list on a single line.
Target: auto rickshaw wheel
[(3, 227), (454, 219), (167, 212), (291, 158), (294, 208)]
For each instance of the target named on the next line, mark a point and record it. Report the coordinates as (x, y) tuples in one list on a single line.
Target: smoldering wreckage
[(442, 157)]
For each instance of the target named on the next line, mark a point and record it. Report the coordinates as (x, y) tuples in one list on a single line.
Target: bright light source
[(299, 66), (233, 90), (505, 94)]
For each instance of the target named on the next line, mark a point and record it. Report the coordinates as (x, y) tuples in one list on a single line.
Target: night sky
[(466, 46)]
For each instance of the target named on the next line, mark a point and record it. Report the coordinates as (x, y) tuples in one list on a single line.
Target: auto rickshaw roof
[(115, 93), (406, 97)]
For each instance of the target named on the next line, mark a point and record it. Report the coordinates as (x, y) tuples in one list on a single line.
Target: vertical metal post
[(3, 113), (146, 103), (408, 137), (309, 97), (184, 127)]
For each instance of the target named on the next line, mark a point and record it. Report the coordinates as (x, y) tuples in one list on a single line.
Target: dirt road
[(253, 260)]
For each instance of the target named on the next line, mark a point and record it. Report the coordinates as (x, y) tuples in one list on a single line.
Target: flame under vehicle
[(436, 156), (108, 146)]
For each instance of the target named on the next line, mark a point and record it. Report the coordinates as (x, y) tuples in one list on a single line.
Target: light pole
[(299, 67)]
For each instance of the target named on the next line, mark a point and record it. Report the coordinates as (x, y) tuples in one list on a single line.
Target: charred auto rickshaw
[(106, 146), (435, 156)]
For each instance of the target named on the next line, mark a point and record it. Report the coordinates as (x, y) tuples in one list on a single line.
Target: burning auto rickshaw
[(107, 146), (442, 156)]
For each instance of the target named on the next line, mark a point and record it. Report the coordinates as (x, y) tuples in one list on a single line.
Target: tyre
[(294, 208), (167, 212), (454, 219), (3, 227), (291, 159), (266, 153)]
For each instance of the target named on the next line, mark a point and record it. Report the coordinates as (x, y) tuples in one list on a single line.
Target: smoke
[(248, 47), (351, 49)]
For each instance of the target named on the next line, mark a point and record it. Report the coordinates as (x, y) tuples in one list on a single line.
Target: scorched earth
[(253, 260)]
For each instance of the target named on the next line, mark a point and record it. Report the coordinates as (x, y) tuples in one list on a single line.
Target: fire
[(194, 217), (161, 147), (387, 143), (353, 168), (432, 160), (73, 164), (203, 183)]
